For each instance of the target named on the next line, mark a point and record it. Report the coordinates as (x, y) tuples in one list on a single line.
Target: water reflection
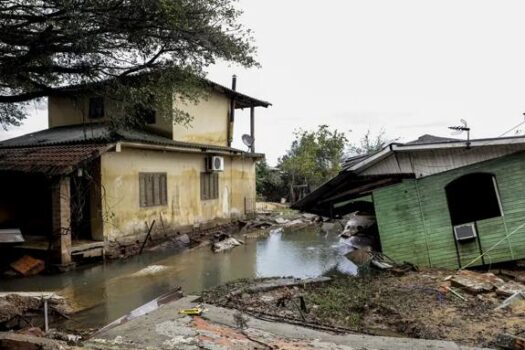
[(114, 289)]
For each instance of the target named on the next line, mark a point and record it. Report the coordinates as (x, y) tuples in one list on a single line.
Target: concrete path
[(217, 329)]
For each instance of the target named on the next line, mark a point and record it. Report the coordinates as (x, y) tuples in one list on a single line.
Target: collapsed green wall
[(414, 221)]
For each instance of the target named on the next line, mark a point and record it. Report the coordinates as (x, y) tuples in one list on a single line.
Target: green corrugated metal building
[(438, 202)]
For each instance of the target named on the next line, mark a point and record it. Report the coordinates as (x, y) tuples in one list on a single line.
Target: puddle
[(112, 290)]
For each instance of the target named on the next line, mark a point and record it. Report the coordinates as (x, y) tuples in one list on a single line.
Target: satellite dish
[(247, 140)]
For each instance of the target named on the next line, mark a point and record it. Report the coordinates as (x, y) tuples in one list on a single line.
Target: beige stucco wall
[(75, 110), (123, 216), (210, 120)]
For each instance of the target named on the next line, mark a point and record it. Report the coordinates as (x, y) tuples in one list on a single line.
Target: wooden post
[(61, 207), (252, 127)]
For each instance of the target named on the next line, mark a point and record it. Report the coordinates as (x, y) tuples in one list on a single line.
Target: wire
[(506, 132)]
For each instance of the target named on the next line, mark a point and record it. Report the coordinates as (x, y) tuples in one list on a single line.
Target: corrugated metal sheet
[(49, 160)]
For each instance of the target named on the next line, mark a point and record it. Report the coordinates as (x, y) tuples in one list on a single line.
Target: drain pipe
[(232, 112)]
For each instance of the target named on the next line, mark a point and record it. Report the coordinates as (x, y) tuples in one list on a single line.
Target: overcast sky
[(409, 67)]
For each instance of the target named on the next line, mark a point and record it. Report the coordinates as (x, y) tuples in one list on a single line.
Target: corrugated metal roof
[(49, 160), (427, 138)]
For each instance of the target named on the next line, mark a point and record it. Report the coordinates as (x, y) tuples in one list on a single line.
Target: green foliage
[(341, 301), (314, 157), (46, 45), (270, 183), (369, 143)]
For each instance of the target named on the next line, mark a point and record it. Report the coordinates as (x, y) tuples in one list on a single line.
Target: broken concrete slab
[(217, 328), (517, 275), (475, 283), (510, 288), (29, 342)]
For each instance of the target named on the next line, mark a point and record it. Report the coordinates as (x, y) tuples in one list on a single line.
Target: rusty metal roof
[(49, 160)]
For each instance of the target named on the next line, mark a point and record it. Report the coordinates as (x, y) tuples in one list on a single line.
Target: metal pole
[(46, 320), (252, 127)]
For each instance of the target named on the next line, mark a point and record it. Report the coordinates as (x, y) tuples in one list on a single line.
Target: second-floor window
[(96, 107)]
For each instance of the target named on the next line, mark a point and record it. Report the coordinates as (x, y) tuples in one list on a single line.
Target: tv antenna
[(247, 140), (461, 129)]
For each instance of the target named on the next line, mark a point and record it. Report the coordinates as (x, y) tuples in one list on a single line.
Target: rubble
[(226, 244), (415, 304), (19, 310), (476, 283), (30, 342)]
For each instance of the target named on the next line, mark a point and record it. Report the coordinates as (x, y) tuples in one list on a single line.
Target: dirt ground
[(412, 305)]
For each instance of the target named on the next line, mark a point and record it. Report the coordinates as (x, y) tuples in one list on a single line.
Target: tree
[(314, 157), (369, 143), (270, 184), (48, 44)]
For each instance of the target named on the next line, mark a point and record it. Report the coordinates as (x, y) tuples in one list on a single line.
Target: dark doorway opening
[(473, 197)]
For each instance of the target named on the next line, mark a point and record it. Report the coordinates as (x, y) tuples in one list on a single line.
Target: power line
[(514, 127)]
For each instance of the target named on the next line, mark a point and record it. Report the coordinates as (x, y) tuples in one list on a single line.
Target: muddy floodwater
[(111, 290)]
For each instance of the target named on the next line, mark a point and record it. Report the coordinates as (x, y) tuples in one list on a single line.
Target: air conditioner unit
[(465, 232), (214, 163)]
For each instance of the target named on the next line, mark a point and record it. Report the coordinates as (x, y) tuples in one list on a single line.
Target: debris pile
[(20, 310), (476, 283), (414, 303), (223, 241)]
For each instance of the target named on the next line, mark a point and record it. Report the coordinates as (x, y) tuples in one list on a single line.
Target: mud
[(413, 305)]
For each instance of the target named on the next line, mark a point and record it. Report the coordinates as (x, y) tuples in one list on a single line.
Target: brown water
[(111, 290)]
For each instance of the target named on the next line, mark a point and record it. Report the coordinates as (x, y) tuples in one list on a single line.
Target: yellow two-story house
[(84, 188)]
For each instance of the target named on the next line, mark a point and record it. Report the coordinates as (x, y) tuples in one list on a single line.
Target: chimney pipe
[(234, 82)]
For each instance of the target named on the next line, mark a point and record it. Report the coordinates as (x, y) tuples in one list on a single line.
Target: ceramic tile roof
[(49, 160), (58, 150), (101, 133)]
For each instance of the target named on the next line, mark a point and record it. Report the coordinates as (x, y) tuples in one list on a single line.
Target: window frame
[(153, 189), (209, 186), (462, 213), (92, 101)]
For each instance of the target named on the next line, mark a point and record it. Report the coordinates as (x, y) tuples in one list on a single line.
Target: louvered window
[(153, 189), (209, 186)]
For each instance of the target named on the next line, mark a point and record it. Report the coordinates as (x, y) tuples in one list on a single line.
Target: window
[(209, 186), (96, 107), (473, 197), (153, 189)]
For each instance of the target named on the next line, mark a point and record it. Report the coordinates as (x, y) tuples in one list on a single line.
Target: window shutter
[(163, 189), (156, 189), (142, 190)]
